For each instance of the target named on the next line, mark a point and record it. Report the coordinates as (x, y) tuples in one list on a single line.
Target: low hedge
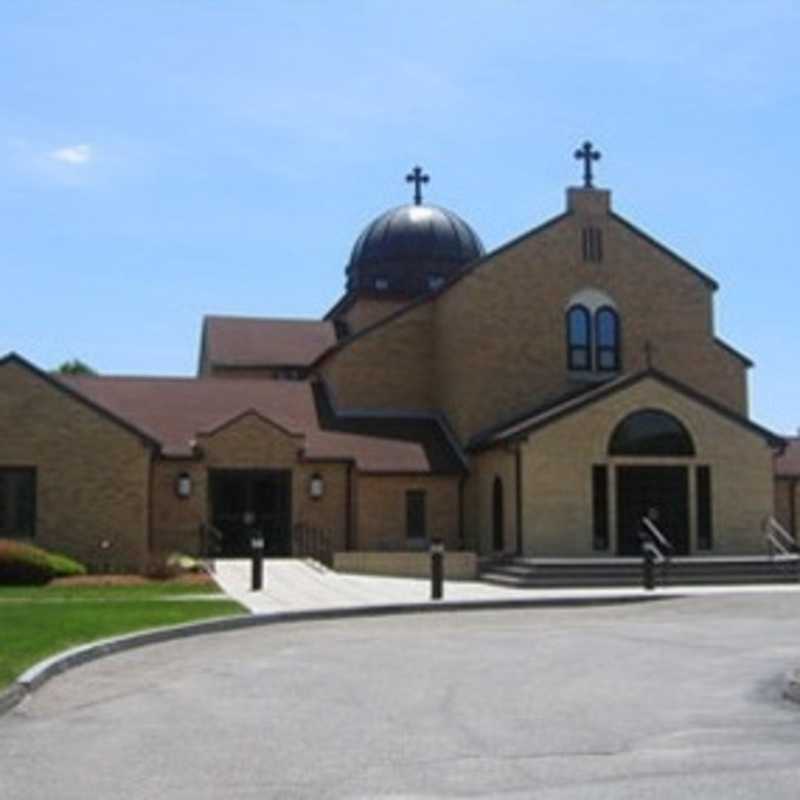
[(23, 564)]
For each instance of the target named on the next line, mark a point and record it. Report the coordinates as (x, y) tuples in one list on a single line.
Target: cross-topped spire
[(417, 177), (587, 154)]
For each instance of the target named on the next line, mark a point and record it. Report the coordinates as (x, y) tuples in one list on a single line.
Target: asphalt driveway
[(673, 699)]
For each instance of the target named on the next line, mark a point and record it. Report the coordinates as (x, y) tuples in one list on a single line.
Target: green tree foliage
[(75, 367)]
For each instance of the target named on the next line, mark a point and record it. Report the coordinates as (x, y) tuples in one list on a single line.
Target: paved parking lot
[(671, 700)]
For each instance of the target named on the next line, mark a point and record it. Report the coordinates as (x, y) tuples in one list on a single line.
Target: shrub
[(22, 563)]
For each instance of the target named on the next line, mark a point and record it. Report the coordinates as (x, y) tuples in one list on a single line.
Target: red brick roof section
[(175, 410), (253, 342), (789, 462)]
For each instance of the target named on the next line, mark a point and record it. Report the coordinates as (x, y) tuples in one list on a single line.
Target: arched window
[(498, 521), (579, 338), (651, 433), (606, 336)]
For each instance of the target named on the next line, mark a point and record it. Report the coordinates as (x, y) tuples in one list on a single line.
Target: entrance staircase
[(601, 572)]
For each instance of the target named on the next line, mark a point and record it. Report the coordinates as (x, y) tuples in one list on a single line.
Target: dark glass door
[(660, 492), (248, 501)]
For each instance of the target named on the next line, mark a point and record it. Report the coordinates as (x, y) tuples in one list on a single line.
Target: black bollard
[(648, 567), (257, 549), (437, 569)]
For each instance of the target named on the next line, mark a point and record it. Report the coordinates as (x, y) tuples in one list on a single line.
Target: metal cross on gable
[(587, 154), (417, 177)]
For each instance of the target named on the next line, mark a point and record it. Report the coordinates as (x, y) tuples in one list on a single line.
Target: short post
[(648, 566), (257, 550), (437, 569)]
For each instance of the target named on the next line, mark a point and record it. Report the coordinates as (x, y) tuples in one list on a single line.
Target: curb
[(791, 686), (43, 671)]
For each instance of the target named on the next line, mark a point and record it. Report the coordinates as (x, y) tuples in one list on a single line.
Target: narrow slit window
[(592, 244), (705, 539), (415, 514), (600, 507)]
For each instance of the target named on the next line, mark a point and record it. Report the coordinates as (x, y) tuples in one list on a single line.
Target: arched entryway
[(498, 520), (658, 491)]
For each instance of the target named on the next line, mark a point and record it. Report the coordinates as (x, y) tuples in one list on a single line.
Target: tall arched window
[(606, 326), (579, 338), (651, 433)]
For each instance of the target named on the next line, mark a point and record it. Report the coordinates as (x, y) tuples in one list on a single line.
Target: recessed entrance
[(242, 500), (661, 492)]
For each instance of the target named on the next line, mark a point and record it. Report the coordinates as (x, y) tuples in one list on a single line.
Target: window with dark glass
[(704, 517), (415, 514), (651, 433), (606, 323), (600, 507), (579, 338), (17, 503)]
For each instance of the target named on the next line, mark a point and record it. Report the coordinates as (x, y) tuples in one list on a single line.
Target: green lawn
[(36, 622)]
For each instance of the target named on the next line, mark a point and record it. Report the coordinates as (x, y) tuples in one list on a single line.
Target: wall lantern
[(183, 485), (316, 486)]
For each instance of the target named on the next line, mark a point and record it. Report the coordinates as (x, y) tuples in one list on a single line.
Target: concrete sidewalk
[(302, 585)]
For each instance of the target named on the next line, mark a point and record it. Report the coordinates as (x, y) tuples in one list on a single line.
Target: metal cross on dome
[(586, 154), (417, 177)]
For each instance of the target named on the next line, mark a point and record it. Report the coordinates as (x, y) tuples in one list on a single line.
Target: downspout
[(518, 464), (793, 484)]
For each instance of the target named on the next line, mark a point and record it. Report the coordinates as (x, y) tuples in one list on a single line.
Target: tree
[(75, 367)]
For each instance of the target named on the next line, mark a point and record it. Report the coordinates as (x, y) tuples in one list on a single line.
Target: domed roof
[(411, 249)]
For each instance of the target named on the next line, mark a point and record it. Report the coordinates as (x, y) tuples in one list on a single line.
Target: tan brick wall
[(785, 488), (479, 500), (92, 475), (390, 367), (367, 310), (458, 565), (500, 332), (381, 510), (557, 461)]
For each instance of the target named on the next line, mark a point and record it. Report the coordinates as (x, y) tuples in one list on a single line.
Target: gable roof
[(264, 342), (519, 427), (788, 463), (174, 411), (57, 382)]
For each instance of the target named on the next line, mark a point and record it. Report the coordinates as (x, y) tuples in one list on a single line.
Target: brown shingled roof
[(788, 463), (254, 342), (173, 411)]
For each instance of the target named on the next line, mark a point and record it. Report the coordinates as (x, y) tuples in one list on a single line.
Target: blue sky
[(162, 160)]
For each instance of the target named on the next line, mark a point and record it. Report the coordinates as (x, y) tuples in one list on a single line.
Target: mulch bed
[(190, 579)]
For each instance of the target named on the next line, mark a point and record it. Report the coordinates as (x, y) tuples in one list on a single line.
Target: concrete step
[(628, 572)]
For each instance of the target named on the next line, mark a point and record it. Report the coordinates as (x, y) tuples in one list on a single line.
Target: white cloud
[(77, 154)]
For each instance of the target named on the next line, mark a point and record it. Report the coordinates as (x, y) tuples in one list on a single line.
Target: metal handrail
[(777, 537), (209, 533), (663, 545)]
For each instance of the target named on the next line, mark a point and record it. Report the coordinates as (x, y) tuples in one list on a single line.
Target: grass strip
[(40, 627)]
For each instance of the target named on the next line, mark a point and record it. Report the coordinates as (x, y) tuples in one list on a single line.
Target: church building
[(539, 400)]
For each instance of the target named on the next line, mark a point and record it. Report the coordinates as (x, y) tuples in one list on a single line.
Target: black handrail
[(311, 542)]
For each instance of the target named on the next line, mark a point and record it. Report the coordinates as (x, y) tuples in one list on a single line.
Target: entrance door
[(662, 490), (243, 500)]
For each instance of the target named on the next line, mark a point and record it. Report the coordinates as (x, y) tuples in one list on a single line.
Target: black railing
[(782, 549), (311, 542), (210, 540), (657, 551)]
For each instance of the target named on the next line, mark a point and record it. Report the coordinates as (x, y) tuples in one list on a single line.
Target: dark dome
[(410, 250)]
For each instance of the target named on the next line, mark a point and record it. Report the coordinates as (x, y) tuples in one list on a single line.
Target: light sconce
[(316, 486), (183, 485)]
